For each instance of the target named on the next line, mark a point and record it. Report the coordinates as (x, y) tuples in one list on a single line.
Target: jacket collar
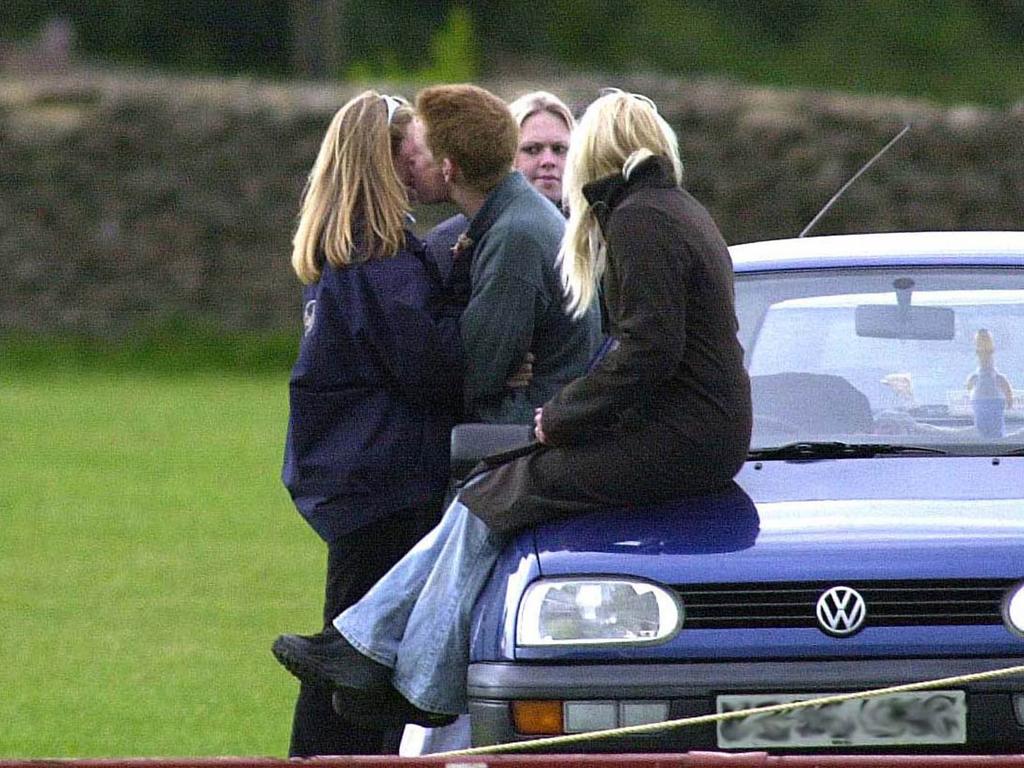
[(497, 201), (605, 194)]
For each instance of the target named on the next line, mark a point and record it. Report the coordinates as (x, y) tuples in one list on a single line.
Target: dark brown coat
[(666, 412)]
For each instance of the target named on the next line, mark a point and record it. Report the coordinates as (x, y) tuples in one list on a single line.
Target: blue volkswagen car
[(875, 537)]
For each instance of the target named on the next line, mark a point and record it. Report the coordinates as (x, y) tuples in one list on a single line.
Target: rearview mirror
[(885, 321)]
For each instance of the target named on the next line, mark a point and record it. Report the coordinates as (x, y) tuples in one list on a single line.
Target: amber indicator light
[(535, 718)]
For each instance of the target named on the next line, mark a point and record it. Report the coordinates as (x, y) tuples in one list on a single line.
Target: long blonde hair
[(354, 181), (616, 132)]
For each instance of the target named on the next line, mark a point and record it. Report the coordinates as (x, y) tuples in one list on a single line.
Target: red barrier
[(687, 760)]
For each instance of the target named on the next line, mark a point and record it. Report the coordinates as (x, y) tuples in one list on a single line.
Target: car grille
[(889, 603)]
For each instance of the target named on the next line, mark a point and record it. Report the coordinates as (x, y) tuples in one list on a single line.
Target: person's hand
[(458, 284), (538, 429), (523, 375)]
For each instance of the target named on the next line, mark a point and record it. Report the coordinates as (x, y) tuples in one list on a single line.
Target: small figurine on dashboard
[(902, 390), (990, 392)]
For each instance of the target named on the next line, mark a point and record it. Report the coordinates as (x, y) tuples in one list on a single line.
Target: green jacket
[(516, 306)]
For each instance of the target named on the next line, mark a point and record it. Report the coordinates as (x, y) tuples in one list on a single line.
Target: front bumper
[(993, 726)]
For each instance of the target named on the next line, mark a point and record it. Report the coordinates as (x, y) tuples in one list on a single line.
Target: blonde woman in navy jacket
[(377, 383)]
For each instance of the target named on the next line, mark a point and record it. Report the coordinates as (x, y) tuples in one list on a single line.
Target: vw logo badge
[(841, 611)]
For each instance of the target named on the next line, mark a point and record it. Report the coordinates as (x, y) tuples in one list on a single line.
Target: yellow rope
[(560, 741)]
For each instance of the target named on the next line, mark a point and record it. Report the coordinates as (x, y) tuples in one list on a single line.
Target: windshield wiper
[(838, 450)]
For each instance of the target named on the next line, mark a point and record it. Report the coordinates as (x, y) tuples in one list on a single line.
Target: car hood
[(810, 520)]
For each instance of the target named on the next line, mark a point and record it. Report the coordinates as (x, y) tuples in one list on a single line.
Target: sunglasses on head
[(638, 96), (393, 104)]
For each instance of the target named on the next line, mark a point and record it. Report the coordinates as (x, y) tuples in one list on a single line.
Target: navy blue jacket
[(374, 392)]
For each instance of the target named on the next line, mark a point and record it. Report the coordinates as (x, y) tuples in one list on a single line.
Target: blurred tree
[(663, 35), (950, 50), (223, 36), (316, 37), (454, 50), (514, 35), (782, 21), (390, 38), (1005, 17), (938, 48), (694, 38), (22, 17), (445, 48), (584, 31)]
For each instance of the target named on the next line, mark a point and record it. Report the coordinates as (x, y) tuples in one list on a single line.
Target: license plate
[(903, 719)]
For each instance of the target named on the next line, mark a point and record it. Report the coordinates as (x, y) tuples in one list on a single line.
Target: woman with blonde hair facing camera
[(375, 389), (545, 126), (664, 413)]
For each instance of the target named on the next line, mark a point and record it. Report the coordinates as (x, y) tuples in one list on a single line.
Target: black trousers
[(354, 564)]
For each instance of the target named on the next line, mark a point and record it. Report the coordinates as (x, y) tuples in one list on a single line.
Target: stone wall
[(129, 202)]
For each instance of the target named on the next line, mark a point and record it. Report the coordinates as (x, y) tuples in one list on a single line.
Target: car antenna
[(856, 176)]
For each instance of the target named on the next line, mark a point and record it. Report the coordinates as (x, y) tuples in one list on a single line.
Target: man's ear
[(449, 170)]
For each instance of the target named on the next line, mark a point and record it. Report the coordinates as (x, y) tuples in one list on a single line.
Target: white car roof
[(997, 247)]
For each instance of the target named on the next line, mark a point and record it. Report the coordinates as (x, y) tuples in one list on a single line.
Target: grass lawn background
[(148, 557)]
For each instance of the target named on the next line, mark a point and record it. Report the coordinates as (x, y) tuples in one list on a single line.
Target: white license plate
[(903, 719)]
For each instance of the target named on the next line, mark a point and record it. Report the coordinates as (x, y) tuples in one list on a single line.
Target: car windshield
[(915, 356)]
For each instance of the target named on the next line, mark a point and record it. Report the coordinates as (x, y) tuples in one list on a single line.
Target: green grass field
[(148, 557)]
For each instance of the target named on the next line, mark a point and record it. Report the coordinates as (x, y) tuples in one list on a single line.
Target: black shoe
[(383, 707), (329, 660)]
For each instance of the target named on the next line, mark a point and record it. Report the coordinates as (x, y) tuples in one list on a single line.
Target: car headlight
[(1014, 609), (594, 611)]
